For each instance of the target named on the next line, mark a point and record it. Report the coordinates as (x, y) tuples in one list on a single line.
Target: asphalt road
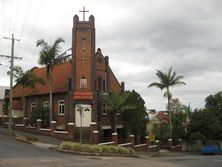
[(18, 154), (194, 160)]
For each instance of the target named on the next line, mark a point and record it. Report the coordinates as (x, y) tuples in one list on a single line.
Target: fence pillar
[(93, 127), (170, 143), (115, 138), (53, 126), (158, 145), (39, 124), (95, 139), (147, 143), (132, 140), (5, 119), (180, 143), (71, 130), (25, 122)]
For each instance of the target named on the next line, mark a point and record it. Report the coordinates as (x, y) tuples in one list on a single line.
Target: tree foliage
[(49, 57), (135, 119), (25, 79), (116, 104), (40, 113), (179, 122), (206, 124), (166, 80), (214, 104)]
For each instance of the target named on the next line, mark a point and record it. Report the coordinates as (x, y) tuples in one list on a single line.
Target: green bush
[(40, 113), (96, 148)]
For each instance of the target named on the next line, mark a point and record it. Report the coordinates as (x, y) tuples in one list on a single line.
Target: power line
[(29, 7)]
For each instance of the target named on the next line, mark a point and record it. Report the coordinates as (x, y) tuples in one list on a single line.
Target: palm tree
[(25, 79), (49, 57), (167, 80), (116, 104)]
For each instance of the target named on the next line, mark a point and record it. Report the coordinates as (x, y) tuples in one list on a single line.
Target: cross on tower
[(83, 11)]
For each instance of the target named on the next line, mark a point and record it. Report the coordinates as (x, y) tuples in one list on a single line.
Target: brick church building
[(79, 83)]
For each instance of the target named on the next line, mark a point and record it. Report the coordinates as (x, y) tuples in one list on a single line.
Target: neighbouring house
[(3, 89), (158, 123), (79, 83)]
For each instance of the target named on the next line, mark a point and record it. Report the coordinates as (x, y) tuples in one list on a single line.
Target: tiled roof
[(162, 115), (61, 74)]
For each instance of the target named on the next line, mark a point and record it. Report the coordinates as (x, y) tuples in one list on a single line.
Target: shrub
[(40, 113), (96, 148)]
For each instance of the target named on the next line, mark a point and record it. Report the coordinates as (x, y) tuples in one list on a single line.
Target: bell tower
[(83, 70), (83, 49)]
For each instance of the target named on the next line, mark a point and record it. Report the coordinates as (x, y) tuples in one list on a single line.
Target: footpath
[(44, 141)]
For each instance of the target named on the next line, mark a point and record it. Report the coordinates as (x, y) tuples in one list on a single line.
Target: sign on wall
[(86, 110)]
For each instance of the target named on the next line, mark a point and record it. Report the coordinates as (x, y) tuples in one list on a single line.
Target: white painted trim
[(43, 129), (140, 145), (19, 125), (106, 127), (62, 132), (70, 123), (119, 126), (124, 144), (114, 134)]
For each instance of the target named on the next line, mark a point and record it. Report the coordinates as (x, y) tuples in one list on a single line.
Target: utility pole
[(11, 79)]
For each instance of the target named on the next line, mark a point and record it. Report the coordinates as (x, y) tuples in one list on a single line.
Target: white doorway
[(86, 115)]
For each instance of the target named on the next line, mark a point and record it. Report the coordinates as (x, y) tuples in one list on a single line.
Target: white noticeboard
[(86, 115)]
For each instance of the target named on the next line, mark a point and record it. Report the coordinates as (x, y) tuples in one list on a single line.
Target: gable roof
[(61, 74), (162, 115)]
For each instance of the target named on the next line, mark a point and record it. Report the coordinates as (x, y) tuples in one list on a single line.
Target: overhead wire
[(34, 23), (28, 9), (1, 36), (16, 16)]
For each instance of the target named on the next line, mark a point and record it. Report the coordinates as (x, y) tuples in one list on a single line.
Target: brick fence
[(70, 133)]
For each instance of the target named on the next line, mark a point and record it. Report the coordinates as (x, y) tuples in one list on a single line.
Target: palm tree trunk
[(50, 94), (169, 111), (23, 103), (113, 122)]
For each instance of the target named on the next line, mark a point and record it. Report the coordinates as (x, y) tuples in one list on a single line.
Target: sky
[(140, 37)]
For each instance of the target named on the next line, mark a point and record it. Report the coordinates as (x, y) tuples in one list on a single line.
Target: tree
[(214, 104), (179, 125), (116, 104), (135, 119), (40, 113), (205, 124), (166, 80), (177, 106), (49, 57), (26, 79)]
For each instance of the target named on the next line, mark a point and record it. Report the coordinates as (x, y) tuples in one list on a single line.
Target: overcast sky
[(140, 37)]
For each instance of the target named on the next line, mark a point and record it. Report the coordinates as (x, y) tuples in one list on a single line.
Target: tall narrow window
[(3, 108), (104, 86), (61, 107), (33, 106), (46, 104), (104, 110), (99, 84)]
